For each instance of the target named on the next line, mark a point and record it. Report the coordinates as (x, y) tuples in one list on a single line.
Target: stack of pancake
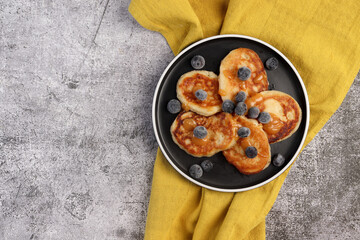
[(222, 127)]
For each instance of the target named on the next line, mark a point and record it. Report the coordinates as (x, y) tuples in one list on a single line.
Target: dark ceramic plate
[(225, 177)]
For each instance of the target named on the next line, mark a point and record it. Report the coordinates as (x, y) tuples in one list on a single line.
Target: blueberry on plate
[(198, 62), (195, 171), (264, 117), (228, 106), (174, 106), (251, 152), (243, 132), (201, 94), (278, 160), (240, 97), (253, 112), (206, 165), (240, 108), (200, 132), (244, 73), (272, 63)]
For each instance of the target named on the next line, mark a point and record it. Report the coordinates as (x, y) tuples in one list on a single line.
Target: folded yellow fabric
[(321, 38)]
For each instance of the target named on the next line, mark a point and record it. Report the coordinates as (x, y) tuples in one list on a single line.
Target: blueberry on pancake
[(200, 132), (253, 112), (243, 132), (240, 108), (264, 117), (251, 152), (201, 94), (228, 106), (240, 97), (244, 73)]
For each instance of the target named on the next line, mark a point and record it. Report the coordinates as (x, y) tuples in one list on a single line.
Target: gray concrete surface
[(76, 143)]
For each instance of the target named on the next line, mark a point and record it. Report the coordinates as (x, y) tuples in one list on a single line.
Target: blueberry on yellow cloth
[(319, 37)]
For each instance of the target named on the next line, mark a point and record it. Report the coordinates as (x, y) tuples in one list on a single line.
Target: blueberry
[(253, 112), (207, 165), (198, 62), (195, 171), (251, 152), (272, 63), (240, 108), (201, 94), (200, 132), (174, 106), (278, 160), (240, 97), (244, 73), (271, 86), (243, 132), (264, 117), (228, 106)]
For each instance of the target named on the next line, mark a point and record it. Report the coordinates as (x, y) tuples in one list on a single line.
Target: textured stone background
[(76, 143)]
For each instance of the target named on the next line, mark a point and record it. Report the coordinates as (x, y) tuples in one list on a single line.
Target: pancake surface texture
[(221, 133), (285, 113), (230, 84), (192, 81), (258, 139)]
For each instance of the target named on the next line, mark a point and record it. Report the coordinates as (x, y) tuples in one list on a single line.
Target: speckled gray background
[(76, 144)]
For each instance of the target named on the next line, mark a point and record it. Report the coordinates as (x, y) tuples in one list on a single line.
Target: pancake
[(192, 81), (285, 113), (258, 139), (221, 133), (230, 84)]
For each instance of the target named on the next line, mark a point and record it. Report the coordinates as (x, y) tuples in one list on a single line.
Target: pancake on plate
[(221, 133), (229, 82), (258, 139), (285, 113), (193, 81)]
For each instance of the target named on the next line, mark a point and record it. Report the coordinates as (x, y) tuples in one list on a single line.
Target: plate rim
[(154, 121)]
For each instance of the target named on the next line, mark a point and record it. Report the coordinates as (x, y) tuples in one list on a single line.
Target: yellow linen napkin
[(321, 38)]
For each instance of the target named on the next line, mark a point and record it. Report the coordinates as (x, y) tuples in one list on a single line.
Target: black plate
[(224, 176)]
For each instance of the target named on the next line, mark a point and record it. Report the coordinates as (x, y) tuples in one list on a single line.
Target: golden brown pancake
[(221, 133), (258, 139), (192, 81), (285, 113), (230, 84)]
